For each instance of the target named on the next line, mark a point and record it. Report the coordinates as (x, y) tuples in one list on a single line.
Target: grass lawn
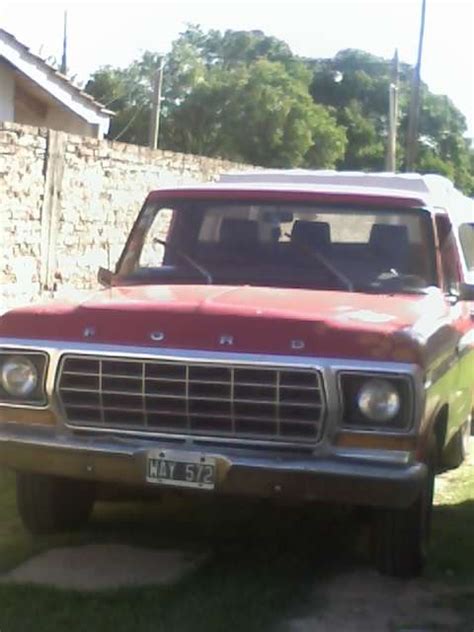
[(263, 566), (452, 557)]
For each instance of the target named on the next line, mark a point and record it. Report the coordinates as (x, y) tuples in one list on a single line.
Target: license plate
[(181, 469)]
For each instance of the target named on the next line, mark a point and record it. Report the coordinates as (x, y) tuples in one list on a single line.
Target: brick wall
[(67, 203)]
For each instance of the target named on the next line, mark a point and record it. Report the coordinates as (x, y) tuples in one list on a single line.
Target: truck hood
[(240, 319)]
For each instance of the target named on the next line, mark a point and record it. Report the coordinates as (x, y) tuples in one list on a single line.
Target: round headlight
[(378, 400), (19, 376)]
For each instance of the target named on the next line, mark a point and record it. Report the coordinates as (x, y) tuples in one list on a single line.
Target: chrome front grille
[(278, 404)]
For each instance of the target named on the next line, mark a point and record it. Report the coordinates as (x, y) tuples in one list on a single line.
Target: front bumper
[(297, 477)]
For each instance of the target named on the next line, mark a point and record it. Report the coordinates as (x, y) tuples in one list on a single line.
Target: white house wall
[(59, 119)]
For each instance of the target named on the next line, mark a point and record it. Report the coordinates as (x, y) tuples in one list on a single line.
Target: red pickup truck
[(277, 334)]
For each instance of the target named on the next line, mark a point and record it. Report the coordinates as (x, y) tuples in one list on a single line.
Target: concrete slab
[(104, 566)]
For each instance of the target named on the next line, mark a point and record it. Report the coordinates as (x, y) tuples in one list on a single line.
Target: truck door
[(460, 397)]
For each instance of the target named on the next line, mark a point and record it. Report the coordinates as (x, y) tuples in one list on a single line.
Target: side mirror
[(466, 292), (105, 277)]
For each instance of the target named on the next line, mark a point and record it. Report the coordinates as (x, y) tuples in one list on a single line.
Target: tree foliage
[(244, 96), (356, 85), (237, 95), (257, 113)]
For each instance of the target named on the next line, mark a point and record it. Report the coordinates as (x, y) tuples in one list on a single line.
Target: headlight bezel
[(353, 419), (40, 361)]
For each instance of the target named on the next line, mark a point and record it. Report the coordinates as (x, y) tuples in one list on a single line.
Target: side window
[(448, 254), (153, 252), (466, 236)]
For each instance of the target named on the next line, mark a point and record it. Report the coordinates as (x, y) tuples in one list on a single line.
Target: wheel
[(48, 504), (401, 536), (458, 448)]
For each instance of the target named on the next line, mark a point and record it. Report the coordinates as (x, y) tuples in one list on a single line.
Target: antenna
[(63, 68)]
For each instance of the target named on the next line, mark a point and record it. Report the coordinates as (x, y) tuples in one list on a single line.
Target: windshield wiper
[(205, 273), (340, 276)]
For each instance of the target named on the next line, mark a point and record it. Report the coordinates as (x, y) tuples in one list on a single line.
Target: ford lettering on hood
[(242, 319)]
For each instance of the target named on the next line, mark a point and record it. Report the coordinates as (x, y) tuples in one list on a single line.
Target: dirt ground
[(363, 601), (104, 566)]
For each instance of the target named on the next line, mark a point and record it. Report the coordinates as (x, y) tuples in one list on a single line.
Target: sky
[(115, 33)]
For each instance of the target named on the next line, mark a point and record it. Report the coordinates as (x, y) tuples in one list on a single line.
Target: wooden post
[(391, 158), (53, 176), (156, 106)]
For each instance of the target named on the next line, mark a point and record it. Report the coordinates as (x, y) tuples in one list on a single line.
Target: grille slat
[(236, 400), (286, 387), (274, 404)]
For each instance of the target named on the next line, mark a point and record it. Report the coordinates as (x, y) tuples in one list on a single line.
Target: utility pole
[(63, 67), (156, 106), (391, 157), (414, 111)]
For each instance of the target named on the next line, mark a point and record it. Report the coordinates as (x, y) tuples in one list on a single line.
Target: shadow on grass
[(452, 543), (263, 562), (452, 546)]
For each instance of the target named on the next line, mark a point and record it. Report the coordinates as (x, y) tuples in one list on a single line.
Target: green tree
[(237, 95), (232, 48), (443, 147), (127, 92), (257, 113), (356, 85), (244, 96)]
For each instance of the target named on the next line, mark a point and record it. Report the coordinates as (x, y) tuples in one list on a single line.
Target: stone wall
[(22, 159), (67, 203)]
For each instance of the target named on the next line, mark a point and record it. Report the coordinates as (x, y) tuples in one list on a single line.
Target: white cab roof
[(434, 189), (407, 182)]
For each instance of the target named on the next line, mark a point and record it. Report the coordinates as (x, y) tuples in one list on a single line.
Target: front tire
[(458, 448), (401, 536), (48, 504)]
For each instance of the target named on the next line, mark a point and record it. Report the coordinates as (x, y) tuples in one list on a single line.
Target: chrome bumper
[(244, 472)]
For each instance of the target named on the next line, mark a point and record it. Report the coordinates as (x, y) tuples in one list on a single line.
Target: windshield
[(283, 245)]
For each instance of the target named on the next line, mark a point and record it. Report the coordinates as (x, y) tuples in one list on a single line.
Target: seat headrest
[(311, 234), (390, 243), (386, 236), (238, 233)]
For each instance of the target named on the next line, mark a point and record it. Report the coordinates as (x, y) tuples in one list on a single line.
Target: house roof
[(51, 80)]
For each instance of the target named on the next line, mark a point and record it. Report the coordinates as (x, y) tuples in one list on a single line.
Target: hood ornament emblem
[(297, 345), (88, 332), (226, 340), (157, 336)]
